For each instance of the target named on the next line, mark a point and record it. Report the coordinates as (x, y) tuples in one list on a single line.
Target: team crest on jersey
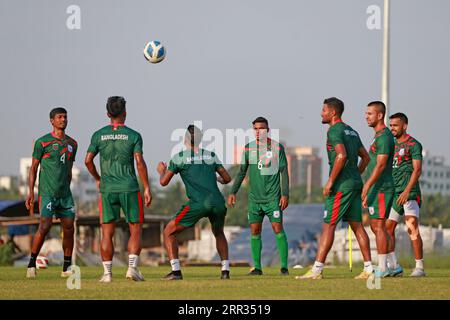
[(55, 146), (371, 210), (269, 154), (401, 152), (69, 147)]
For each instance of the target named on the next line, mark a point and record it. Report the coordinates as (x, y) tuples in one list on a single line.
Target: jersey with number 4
[(56, 157), (402, 168)]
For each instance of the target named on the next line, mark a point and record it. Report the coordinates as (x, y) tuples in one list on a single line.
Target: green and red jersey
[(198, 172), (383, 143), (56, 157), (402, 168), (268, 172), (117, 145), (349, 178)]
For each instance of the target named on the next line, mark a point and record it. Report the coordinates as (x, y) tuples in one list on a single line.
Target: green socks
[(282, 248), (256, 244)]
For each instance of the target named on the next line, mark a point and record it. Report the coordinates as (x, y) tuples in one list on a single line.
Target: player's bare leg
[(67, 225), (107, 250), (134, 249), (282, 246), (325, 243), (44, 227), (222, 250), (378, 227), (364, 246), (412, 224), (394, 267), (171, 244), (256, 246)]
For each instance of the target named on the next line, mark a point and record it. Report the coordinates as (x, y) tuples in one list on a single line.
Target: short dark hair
[(261, 120), (401, 116), (56, 111), (336, 104), (381, 107), (115, 106), (194, 135)]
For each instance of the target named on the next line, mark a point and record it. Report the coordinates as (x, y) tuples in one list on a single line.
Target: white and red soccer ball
[(41, 262)]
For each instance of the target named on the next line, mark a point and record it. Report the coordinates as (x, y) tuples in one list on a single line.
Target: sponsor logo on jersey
[(55, 146), (350, 133), (106, 137), (198, 158), (401, 152)]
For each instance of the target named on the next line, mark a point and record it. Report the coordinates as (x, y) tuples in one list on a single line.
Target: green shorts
[(132, 205), (412, 197), (257, 211), (380, 203), (190, 213), (345, 205), (58, 207)]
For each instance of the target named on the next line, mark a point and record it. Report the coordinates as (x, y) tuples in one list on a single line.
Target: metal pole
[(385, 68)]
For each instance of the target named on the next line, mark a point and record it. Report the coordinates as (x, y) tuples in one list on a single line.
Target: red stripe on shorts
[(336, 208), (182, 214), (100, 208), (141, 208), (418, 200), (382, 205)]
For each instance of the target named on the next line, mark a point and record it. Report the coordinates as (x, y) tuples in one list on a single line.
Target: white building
[(435, 176), (8, 182)]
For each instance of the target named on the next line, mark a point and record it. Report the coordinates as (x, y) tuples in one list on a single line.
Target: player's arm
[(365, 159), (165, 175), (224, 176), (31, 182), (417, 171), (339, 163), (70, 172), (382, 160), (90, 165), (284, 177), (238, 180), (143, 174)]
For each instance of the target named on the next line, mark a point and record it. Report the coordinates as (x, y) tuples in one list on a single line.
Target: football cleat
[(31, 273), (174, 275), (106, 278), (396, 272), (134, 274), (417, 273), (66, 274), (284, 272), (310, 275), (225, 274), (255, 272)]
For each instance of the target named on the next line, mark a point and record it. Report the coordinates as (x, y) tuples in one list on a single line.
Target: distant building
[(305, 166), (8, 182), (435, 176)]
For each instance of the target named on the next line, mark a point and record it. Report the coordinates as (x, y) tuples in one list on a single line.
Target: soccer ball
[(154, 52), (41, 262)]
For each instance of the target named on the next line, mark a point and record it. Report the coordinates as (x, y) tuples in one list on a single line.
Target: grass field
[(204, 283)]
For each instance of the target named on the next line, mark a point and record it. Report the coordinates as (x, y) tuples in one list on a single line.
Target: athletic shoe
[(417, 273), (66, 274), (174, 275), (225, 274), (382, 274), (106, 278), (255, 272), (310, 275), (134, 274), (396, 272), (284, 272), (31, 272), (364, 275)]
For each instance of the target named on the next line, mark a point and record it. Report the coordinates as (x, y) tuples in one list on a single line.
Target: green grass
[(204, 283)]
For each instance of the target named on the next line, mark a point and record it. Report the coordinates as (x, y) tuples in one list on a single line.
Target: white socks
[(392, 260), (368, 268), (225, 265), (175, 263), (318, 267), (419, 264), (107, 267), (382, 262), (133, 260)]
